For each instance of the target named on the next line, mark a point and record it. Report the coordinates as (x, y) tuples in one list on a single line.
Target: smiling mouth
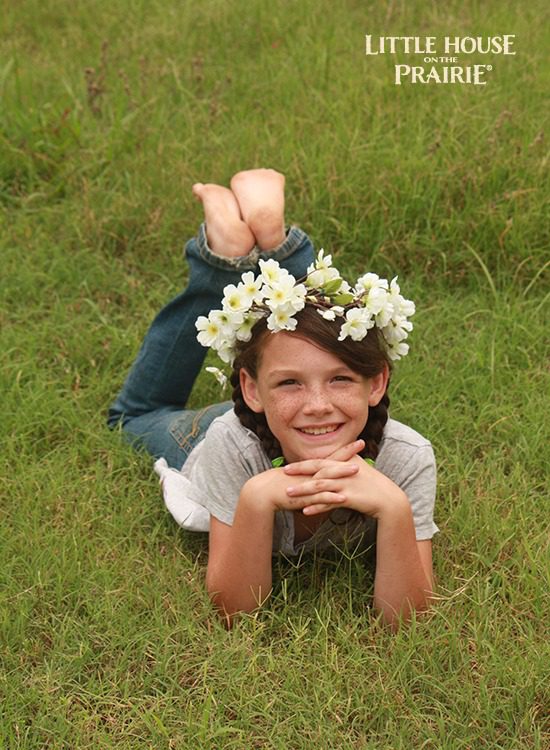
[(319, 430)]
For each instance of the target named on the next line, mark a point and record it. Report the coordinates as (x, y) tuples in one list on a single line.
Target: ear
[(249, 389), (378, 386)]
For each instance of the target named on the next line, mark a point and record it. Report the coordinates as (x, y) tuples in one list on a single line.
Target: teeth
[(318, 430)]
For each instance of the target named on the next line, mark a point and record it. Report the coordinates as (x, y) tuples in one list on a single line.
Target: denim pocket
[(190, 427)]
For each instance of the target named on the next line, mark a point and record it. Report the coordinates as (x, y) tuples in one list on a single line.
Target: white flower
[(407, 307), (358, 322), (226, 353), (220, 376), (286, 292), (402, 306), (235, 299), (251, 287), (370, 281), (276, 294), (218, 330), (396, 351), (345, 288), (331, 313), (244, 331), (208, 329), (394, 286), (226, 320), (321, 272), (272, 273), (322, 260), (397, 329), (376, 299), (384, 315), (320, 278), (281, 320)]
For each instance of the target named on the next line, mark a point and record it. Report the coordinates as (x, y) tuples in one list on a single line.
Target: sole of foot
[(260, 194), (228, 235)]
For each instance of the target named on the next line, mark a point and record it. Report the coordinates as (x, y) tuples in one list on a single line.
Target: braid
[(374, 429), (254, 421)]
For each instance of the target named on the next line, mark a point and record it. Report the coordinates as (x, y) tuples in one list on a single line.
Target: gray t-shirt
[(230, 454)]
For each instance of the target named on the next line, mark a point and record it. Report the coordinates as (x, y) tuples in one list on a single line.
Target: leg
[(150, 406)]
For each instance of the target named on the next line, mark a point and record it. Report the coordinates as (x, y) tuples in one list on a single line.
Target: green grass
[(107, 638)]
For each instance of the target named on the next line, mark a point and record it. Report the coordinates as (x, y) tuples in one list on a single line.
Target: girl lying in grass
[(305, 456)]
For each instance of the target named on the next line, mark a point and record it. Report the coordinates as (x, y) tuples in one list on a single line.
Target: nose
[(317, 402)]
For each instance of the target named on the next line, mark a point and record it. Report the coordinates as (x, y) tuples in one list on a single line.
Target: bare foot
[(227, 233), (260, 194)]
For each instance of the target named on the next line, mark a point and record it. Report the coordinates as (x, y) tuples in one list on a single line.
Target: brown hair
[(367, 358)]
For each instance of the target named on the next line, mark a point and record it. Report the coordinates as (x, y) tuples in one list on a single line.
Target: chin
[(320, 452)]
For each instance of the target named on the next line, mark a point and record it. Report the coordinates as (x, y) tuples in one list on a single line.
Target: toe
[(197, 189)]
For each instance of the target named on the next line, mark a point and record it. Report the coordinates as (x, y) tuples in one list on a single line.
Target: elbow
[(228, 610), (229, 604), (220, 601), (226, 616), (395, 615)]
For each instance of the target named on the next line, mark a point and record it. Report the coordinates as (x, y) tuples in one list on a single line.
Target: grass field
[(108, 114)]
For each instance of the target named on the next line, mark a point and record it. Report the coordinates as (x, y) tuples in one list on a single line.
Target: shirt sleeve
[(418, 479), (227, 460)]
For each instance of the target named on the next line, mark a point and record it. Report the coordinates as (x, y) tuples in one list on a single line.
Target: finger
[(308, 467), (327, 499), (334, 470), (348, 451), (322, 468), (313, 487), (337, 470), (312, 510)]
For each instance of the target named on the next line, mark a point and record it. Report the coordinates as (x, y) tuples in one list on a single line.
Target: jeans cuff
[(294, 239)]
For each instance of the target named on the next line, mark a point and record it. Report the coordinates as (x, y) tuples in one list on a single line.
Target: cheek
[(352, 401), (281, 409), (355, 408)]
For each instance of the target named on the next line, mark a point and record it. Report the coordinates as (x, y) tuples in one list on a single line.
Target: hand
[(336, 466), (269, 489), (346, 474)]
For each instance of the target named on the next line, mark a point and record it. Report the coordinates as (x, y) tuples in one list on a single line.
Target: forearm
[(402, 584), (239, 569)]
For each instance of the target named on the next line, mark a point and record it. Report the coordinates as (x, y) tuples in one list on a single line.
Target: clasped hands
[(343, 479)]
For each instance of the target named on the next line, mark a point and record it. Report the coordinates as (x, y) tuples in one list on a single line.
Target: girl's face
[(313, 403)]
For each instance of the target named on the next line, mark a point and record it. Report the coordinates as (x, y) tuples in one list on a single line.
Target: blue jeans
[(151, 405)]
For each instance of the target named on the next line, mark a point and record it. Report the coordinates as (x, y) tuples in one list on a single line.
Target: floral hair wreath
[(276, 295)]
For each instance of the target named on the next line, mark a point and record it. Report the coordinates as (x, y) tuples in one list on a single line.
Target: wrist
[(256, 494), (395, 506)]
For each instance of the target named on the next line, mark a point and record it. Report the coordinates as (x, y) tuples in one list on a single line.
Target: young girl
[(305, 456)]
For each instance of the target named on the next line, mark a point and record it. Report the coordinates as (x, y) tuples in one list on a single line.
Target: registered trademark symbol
[(489, 67)]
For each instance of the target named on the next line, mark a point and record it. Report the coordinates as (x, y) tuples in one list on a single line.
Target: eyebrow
[(288, 372)]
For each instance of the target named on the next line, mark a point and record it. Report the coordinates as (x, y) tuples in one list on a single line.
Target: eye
[(288, 381), (342, 378)]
